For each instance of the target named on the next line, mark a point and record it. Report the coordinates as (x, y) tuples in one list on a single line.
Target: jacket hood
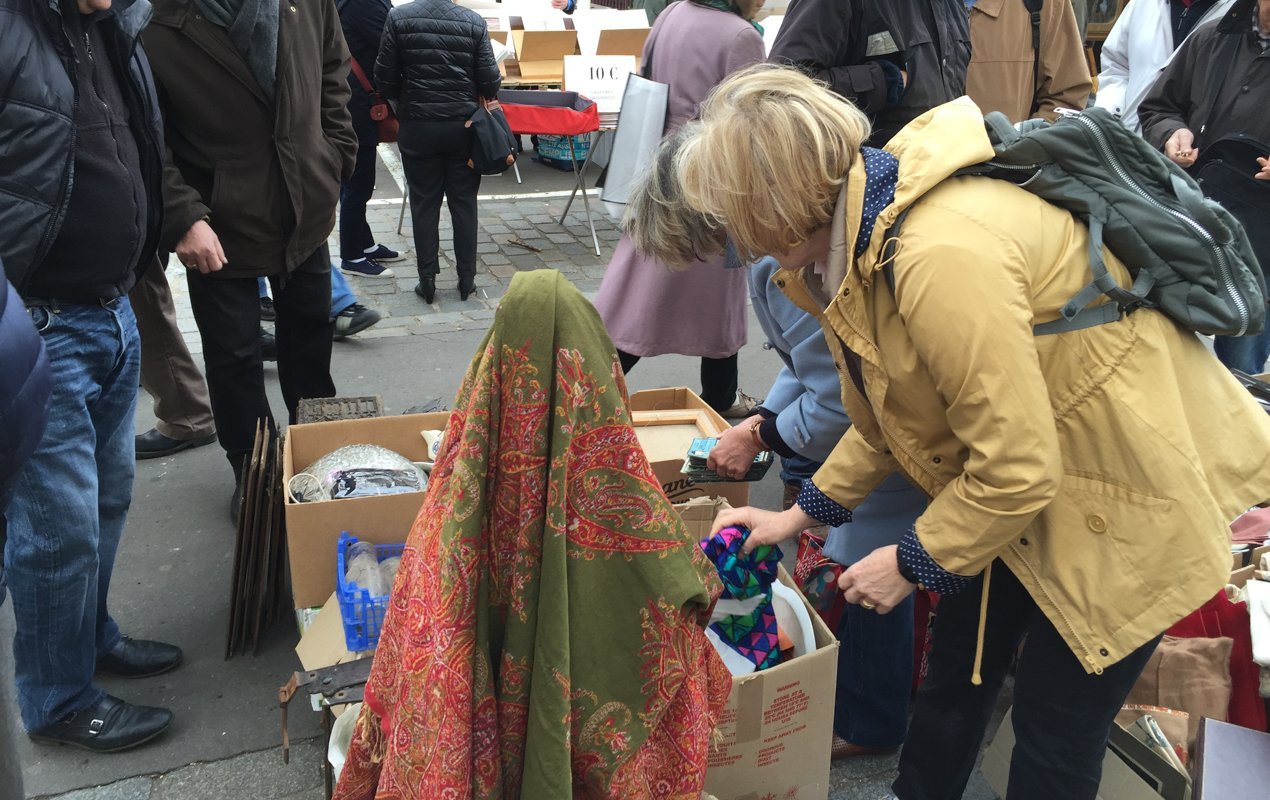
[(931, 148)]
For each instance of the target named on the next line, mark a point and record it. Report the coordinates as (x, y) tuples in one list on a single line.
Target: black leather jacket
[(435, 59), (37, 70)]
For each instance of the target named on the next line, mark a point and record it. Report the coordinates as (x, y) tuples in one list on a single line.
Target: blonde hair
[(661, 226), (768, 157)]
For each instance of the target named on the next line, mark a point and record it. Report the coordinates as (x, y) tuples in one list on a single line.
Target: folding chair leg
[(401, 217)]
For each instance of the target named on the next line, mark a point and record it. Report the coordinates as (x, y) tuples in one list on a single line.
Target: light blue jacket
[(807, 400)]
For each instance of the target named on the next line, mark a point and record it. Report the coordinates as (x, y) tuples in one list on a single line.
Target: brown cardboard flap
[(540, 54), (1240, 577), (622, 42)]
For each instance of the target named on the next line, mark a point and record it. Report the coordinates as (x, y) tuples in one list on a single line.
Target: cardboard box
[(313, 529), (540, 54), (777, 727), (666, 437), (1150, 777)]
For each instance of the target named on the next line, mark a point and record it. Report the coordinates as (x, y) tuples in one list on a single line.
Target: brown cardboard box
[(777, 727), (313, 529), (540, 54), (666, 438)]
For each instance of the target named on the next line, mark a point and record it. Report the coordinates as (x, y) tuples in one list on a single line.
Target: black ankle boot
[(427, 289), (466, 288)]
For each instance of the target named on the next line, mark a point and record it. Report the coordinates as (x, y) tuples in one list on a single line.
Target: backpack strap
[(1075, 315), (1034, 13)]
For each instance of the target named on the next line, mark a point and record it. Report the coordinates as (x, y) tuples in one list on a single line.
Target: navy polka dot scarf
[(881, 170)]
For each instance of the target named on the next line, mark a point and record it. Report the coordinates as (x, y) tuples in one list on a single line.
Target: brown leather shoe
[(844, 749)]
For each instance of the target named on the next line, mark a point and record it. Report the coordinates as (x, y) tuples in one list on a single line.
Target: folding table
[(543, 112)]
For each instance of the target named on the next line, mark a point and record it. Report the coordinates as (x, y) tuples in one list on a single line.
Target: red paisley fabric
[(545, 637)]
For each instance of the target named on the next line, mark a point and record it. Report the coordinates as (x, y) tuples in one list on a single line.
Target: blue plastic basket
[(363, 615)]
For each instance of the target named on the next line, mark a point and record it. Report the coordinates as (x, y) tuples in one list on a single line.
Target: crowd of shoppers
[(922, 423)]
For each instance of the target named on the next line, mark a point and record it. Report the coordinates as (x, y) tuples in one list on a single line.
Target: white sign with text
[(601, 78)]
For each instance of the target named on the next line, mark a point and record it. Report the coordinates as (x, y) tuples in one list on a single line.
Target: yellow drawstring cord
[(975, 677)]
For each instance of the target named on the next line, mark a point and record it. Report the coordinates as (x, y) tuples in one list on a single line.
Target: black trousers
[(227, 311), (1062, 715), (718, 378), (434, 156), (355, 235)]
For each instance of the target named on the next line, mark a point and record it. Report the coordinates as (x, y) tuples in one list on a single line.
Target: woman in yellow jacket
[(1081, 483)]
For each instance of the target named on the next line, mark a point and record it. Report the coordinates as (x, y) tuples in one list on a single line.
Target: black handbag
[(1225, 171), (493, 144)]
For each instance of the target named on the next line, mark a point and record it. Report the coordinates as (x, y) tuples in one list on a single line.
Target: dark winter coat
[(25, 384), (37, 113), (1217, 85), (436, 60), (845, 41), (265, 176)]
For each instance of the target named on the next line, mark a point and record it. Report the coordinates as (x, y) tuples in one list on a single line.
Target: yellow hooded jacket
[(1101, 466)]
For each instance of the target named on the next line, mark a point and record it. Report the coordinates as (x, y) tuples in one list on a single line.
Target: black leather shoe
[(153, 444), (427, 289), (139, 658), (466, 288), (111, 726)]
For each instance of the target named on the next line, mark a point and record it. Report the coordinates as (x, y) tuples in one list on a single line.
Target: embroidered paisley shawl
[(545, 635)]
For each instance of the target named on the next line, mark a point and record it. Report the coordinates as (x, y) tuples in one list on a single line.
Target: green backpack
[(1188, 256)]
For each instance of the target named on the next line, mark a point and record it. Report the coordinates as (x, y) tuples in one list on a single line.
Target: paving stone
[(487, 247), (494, 260), (130, 789), (243, 776)]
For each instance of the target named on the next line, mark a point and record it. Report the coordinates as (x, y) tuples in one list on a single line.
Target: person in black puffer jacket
[(437, 63)]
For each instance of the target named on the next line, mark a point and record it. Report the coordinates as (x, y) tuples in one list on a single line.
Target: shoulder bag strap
[(361, 76), (1034, 14)]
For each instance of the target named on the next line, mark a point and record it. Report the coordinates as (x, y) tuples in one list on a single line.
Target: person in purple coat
[(649, 310)]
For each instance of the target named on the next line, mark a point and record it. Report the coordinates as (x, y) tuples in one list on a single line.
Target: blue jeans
[(875, 675), (69, 508), (1244, 353), (341, 295)]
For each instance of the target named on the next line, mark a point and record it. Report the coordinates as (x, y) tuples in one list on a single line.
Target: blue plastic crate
[(362, 614)]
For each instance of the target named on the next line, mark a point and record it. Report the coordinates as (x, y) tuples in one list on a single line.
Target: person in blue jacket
[(26, 383), (801, 419)]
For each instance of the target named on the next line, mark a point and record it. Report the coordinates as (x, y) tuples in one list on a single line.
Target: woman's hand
[(875, 581), (1263, 174), (765, 527), (733, 456)]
